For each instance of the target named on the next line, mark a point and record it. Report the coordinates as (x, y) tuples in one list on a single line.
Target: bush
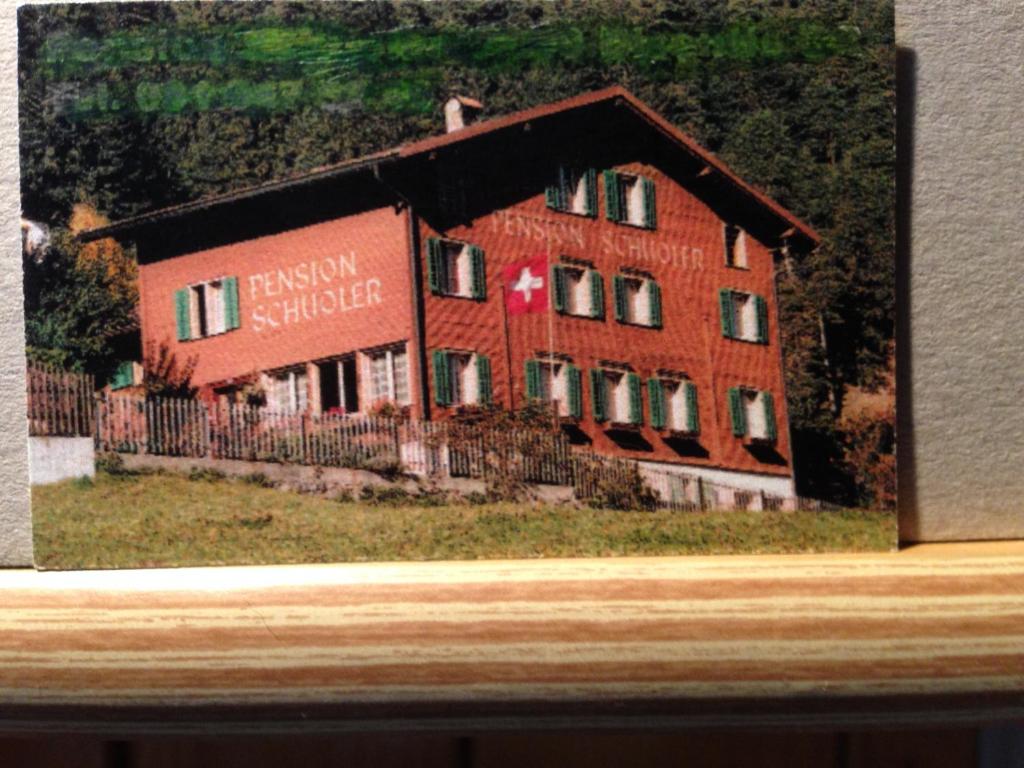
[(384, 494), (615, 485), (205, 474), (111, 463), (388, 467), (344, 496), (82, 483), (476, 498), (258, 479)]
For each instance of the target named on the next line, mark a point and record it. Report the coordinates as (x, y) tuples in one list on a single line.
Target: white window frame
[(754, 413), (458, 268), (578, 296), (463, 380), (554, 384), (389, 356), (632, 197), (577, 202), (297, 396), (677, 411), (744, 310), (735, 257), (638, 303), (212, 308), (616, 395)]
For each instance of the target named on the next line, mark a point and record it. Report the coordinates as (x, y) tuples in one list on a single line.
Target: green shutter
[(597, 394), (479, 272), (725, 306), (656, 398), (591, 182), (612, 203), (650, 204), (574, 387), (692, 412), (770, 427), (739, 416), (596, 295), (532, 379), (551, 197), (483, 379), (619, 291), (231, 315), (636, 403), (558, 296), (762, 319), (442, 387), (122, 375), (182, 314), (655, 303), (435, 266)]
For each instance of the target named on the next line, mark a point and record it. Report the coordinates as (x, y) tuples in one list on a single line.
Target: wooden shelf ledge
[(929, 635)]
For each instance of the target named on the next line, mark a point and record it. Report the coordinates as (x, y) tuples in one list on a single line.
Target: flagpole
[(551, 321), (508, 344)]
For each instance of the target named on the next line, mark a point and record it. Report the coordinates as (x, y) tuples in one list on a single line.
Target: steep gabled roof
[(476, 130)]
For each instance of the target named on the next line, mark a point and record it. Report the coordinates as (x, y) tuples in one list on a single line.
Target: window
[(288, 391), (637, 300), (578, 291), (207, 309), (744, 316), (752, 413), (456, 269), (630, 199), (673, 404), (389, 375), (339, 391), (735, 247), (615, 396), (461, 378), (574, 192), (557, 382)]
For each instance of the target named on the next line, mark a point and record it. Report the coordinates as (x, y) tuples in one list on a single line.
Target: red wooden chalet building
[(585, 252)]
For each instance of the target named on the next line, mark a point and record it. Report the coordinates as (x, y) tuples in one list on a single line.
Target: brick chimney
[(460, 111)]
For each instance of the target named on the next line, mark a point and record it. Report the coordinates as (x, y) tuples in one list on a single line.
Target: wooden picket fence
[(60, 403)]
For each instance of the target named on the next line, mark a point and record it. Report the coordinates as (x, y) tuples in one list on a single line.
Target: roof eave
[(135, 223)]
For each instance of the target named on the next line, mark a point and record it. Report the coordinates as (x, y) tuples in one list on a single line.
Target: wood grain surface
[(930, 635)]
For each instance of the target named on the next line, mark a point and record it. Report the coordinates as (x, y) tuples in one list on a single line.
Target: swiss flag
[(526, 286)]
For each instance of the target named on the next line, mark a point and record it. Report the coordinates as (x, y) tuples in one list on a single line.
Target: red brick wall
[(685, 254), (373, 307)]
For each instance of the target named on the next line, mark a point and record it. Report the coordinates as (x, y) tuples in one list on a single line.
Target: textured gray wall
[(15, 523), (962, 358), (961, 402)]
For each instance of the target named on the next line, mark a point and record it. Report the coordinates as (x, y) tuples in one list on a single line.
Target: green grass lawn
[(153, 520)]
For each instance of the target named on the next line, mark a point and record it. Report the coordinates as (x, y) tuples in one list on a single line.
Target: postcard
[(327, 282)]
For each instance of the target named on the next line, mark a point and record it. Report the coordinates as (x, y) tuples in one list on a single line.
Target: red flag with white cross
[(526, 286)]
